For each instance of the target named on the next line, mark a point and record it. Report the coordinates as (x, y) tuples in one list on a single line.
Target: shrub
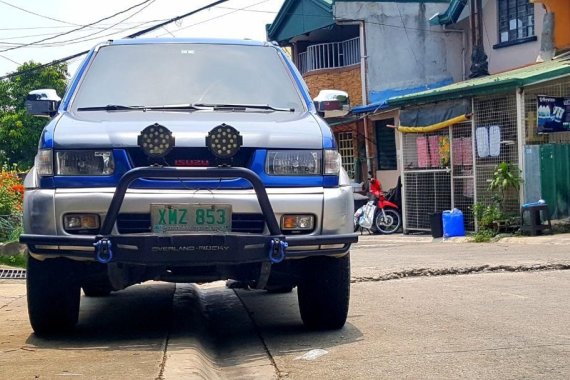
[(11, 199), (11, 191)]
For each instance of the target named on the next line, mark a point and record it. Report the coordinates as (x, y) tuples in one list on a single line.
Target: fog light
[(224, 141), (297, 222), (74, 222), (156, 141)]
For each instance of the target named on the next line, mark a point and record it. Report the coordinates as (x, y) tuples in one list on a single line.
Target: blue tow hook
[(277, 250), (103, 252)]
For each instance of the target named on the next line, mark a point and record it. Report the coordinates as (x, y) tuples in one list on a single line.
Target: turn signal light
[(297, 222)]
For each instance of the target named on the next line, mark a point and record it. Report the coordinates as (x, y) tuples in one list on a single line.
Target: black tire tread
[(53, 295), (324, 292)]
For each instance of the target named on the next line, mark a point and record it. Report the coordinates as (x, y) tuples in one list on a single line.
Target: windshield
[(166, 74)]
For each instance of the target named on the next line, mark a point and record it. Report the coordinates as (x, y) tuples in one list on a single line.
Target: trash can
[(436, 225)]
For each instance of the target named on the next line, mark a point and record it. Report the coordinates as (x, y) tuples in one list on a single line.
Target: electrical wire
[(10, 59), (133, 35), (76, 29), (101, 26), (216, 17), (99, 37), (37, 14), (85, 37), (254, 10)]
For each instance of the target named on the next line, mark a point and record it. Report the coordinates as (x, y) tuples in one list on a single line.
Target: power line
[(10, 59), (37, 14), (84, 38), (75, 30), (101, 26), (250, 10), (211, 5), (217, 17), (150, 29)]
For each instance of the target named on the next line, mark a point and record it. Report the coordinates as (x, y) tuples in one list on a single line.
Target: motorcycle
[(382, 213)]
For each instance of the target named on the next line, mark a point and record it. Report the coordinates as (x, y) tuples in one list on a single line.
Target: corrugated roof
[(495, 83)]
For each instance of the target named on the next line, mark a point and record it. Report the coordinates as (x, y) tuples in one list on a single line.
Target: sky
[(232, 19)]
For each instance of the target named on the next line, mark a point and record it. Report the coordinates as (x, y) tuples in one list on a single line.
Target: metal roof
[(496, 83)]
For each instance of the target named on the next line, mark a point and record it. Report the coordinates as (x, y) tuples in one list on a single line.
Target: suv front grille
[(191, 157), (131, 223)]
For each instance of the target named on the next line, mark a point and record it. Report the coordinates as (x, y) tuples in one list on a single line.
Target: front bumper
[(190, 248)]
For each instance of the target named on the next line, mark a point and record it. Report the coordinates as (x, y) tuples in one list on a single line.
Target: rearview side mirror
[(332, 103), (43, 103)]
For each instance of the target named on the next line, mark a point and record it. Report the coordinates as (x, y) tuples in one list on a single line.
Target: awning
[(381, 99), (431, 118), (491, 84), (436, 126)]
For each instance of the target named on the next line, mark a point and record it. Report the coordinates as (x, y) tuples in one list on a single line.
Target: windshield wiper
[(111, 107), (242, 107), (169, 107)]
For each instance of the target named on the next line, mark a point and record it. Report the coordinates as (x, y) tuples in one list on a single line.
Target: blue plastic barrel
[(453, 223)]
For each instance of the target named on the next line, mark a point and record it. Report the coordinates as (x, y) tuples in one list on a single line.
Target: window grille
[(386, 145), (346, 150), (516, 20)]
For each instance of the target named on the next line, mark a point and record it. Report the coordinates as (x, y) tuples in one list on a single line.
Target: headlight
[(293, 162), (84, 162)]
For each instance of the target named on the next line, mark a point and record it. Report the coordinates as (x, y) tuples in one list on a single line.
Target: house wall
[(507, 57), (403, 51), (344, 78)]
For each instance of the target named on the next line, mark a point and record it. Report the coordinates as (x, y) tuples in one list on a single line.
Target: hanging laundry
[(494, 141), (467, 151), (434, 151), (482, 138), (422, 150)]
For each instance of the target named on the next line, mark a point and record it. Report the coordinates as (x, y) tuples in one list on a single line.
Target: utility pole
[(479, 63)]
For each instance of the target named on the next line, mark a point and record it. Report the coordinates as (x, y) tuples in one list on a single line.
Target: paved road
[(487, 325)]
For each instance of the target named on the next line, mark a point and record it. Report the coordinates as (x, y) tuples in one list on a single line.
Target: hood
[(119, 129)]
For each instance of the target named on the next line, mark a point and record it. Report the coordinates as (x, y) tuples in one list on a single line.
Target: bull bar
[(189, 248)]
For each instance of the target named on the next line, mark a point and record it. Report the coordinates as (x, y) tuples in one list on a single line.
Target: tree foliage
[(20, 132)]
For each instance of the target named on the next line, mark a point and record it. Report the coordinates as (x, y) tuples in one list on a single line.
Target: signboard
[(553, 114)]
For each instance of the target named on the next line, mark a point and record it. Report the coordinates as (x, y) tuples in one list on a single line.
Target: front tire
[(324, 292), (389, 223), (53, 293)]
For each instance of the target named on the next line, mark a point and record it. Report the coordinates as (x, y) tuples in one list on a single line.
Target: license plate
[(170, 218)]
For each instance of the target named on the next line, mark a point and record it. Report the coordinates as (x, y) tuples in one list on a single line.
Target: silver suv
[(185, 161)]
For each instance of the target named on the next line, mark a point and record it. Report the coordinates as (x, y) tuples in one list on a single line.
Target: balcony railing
[(330, 55)]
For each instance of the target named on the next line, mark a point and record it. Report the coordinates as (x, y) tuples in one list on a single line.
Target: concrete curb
[(557, 239)]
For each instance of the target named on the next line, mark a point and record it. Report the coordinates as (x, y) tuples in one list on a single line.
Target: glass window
[(516, 20), (173, 74)]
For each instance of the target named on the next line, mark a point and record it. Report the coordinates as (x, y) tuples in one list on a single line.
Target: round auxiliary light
[(156, 140), (224, 141)]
